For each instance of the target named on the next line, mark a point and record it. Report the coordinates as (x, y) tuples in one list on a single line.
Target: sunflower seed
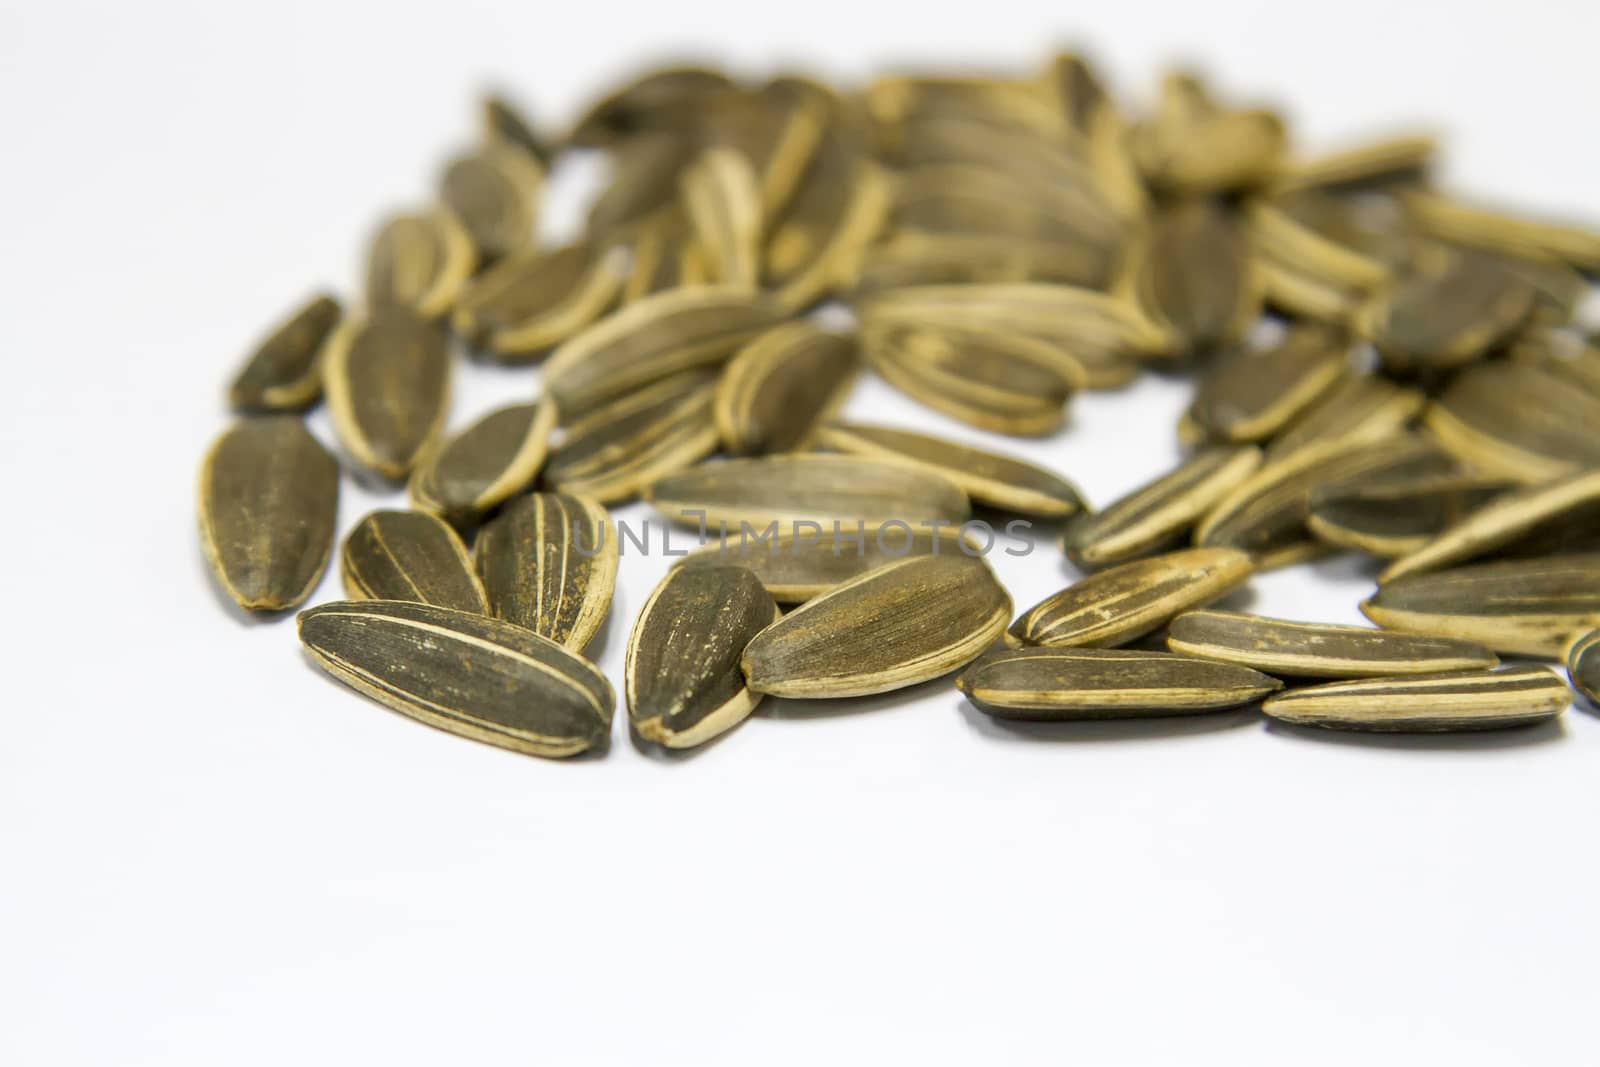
[(988, 478), (645, 172), (1315, 650), (1449, 316), (664, 256), (1126, 602), (1254, 394), (813, 488), (990, 379), (1563, 354), (465, 674), (503, 122), (537, 298), (410, 555), (1195, 146), (723, 202), (1307, 274), (1530, 607), (912, 258), (1583, 665), (420, 262), (1455, 221), (1403, 159), (1269, 509), (1066, 684), (548, 562), (494, 191), (1428, 703), (1196, 272), (795, 566), (684, 684), (486, 464), (1395, 517), (284, 373), (1565, 510), (621, 449), (1359, 411), (815, 246), (1160, 513), (651, 339), (780, 386), (269, 496), (1518, 421), (388, 383), (777, 128), (901, 624), (655, 100)]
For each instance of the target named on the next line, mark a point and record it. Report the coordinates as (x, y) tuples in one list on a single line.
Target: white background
[(212, 854)]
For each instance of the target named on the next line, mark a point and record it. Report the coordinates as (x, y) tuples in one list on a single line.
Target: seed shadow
[(794, 709), (1544, 733), (1095, 730)]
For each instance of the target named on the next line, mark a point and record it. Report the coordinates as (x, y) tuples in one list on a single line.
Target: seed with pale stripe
[(1357, 411), (798, 565), (1256, 392), (269, 500), (1159, 514), (1532, 606), (1567, 509), (722, 199), (1583, 665), (419, 261), (1124, 603), (1402, 158), (410, 555), (388, 382), (548, 562), (652, 339), (1196, 271), (1318, 650), (284, 373), (619, 450), (1471, 225), (1517, 420), (901, 624), (466, 674), (487, 463), (780, 386), (1308, 274), (1398, 516), (535, 299), (1066, 684), (821, 489), (684, 685), (494, 192), (1450, 702), (989, 478), (1448, 316)]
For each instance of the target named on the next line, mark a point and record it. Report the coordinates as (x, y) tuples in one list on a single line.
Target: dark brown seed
[(1397, 516), (1316, 650), (656, 337), (661, 99), (1124, 603), (410, 555), (419, 262), (466, 674), (1530, 607), (284, 373), (494, 191), (684, 685), (1161, 513), (1066, 684), (269, 497), (898, 625), (1516, 420), (486, 464), (1197, 273), (1448, 316), (1428, 703), (503, 121), (388, 383), (797, 566), (1456, 221), (722, 200), (1255, 393), (776, 391), (1358, 411), (548, 562), (1563, 354), (621, 449), (807, 488), (1583, 665), (988, 478), (535, 299)]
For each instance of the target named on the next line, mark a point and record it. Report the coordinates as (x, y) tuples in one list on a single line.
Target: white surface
[(215, 855)]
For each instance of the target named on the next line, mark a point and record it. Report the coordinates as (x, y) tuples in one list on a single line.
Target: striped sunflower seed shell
[(1317, 650), (1066, 684), (535, 299), (619, 450), (1429, 703), (780, 386), (410, 555), (284, 372), (794, 566), (419, 261), (548, 562), (388, 383), (486, 464)]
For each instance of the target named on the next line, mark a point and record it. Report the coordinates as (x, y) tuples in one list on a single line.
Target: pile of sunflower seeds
[(1379, 368)]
